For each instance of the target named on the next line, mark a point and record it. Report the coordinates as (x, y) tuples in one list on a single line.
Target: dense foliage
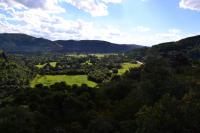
[(161, 96)]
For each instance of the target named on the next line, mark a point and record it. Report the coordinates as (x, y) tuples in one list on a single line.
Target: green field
[(126, 67), (40, 65), (98, 55), (102, 55), (48, 80), (53, 64), (77, 55)]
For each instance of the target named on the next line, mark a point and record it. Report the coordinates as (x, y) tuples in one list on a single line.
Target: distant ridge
[(14, 43), (94, 46)]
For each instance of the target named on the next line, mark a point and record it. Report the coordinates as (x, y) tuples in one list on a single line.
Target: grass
[(53, 64), (126, 67), (102, 55), (98, 55), (40, 65), (48, 80), (77, 55)]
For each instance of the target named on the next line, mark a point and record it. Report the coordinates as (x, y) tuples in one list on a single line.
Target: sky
[(143, 22)]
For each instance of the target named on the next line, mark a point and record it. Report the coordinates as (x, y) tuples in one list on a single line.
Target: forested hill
[(188, 47), (14, 43), (94, 46), (25, 43)]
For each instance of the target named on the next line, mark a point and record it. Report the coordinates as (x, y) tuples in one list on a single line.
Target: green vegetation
[(98, 55), (126, 67), (2, 56), (77, 55), (87, 63), (40, 65), (53, 64), (48, 80), (160, 96)]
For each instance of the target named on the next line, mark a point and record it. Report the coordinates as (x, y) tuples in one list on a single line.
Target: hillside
[(94, 46), (14, 43), (189, 47), (2, 56), (25, 43)]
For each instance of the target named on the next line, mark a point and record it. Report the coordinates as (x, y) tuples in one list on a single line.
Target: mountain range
[(16, 43)]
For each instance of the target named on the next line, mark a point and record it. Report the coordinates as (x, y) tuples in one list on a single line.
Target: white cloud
[(190, 4), (46, 5), (93, 7), (36, 19), (112, 1), (38, 23), (154, 37), (141, 29)]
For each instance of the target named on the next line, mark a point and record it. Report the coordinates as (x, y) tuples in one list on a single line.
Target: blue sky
[(145, 22)]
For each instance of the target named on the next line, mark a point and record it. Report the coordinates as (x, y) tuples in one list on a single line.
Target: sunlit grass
[(48, 80), (98, 55), (126, 67), (53, 64)]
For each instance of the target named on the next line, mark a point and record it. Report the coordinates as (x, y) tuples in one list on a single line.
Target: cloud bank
[(190, 4)]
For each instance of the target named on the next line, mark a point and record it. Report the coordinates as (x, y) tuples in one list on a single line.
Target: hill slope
[(2, 56), (189, 47), (94, 46), (25, 43)]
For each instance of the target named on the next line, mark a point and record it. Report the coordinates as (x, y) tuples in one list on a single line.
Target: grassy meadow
[(48, 80), (126, 67), (98, 55), (53, 64)]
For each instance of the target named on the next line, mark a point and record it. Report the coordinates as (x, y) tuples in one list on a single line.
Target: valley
[(78, 69), (135, 91), (99, 66)]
